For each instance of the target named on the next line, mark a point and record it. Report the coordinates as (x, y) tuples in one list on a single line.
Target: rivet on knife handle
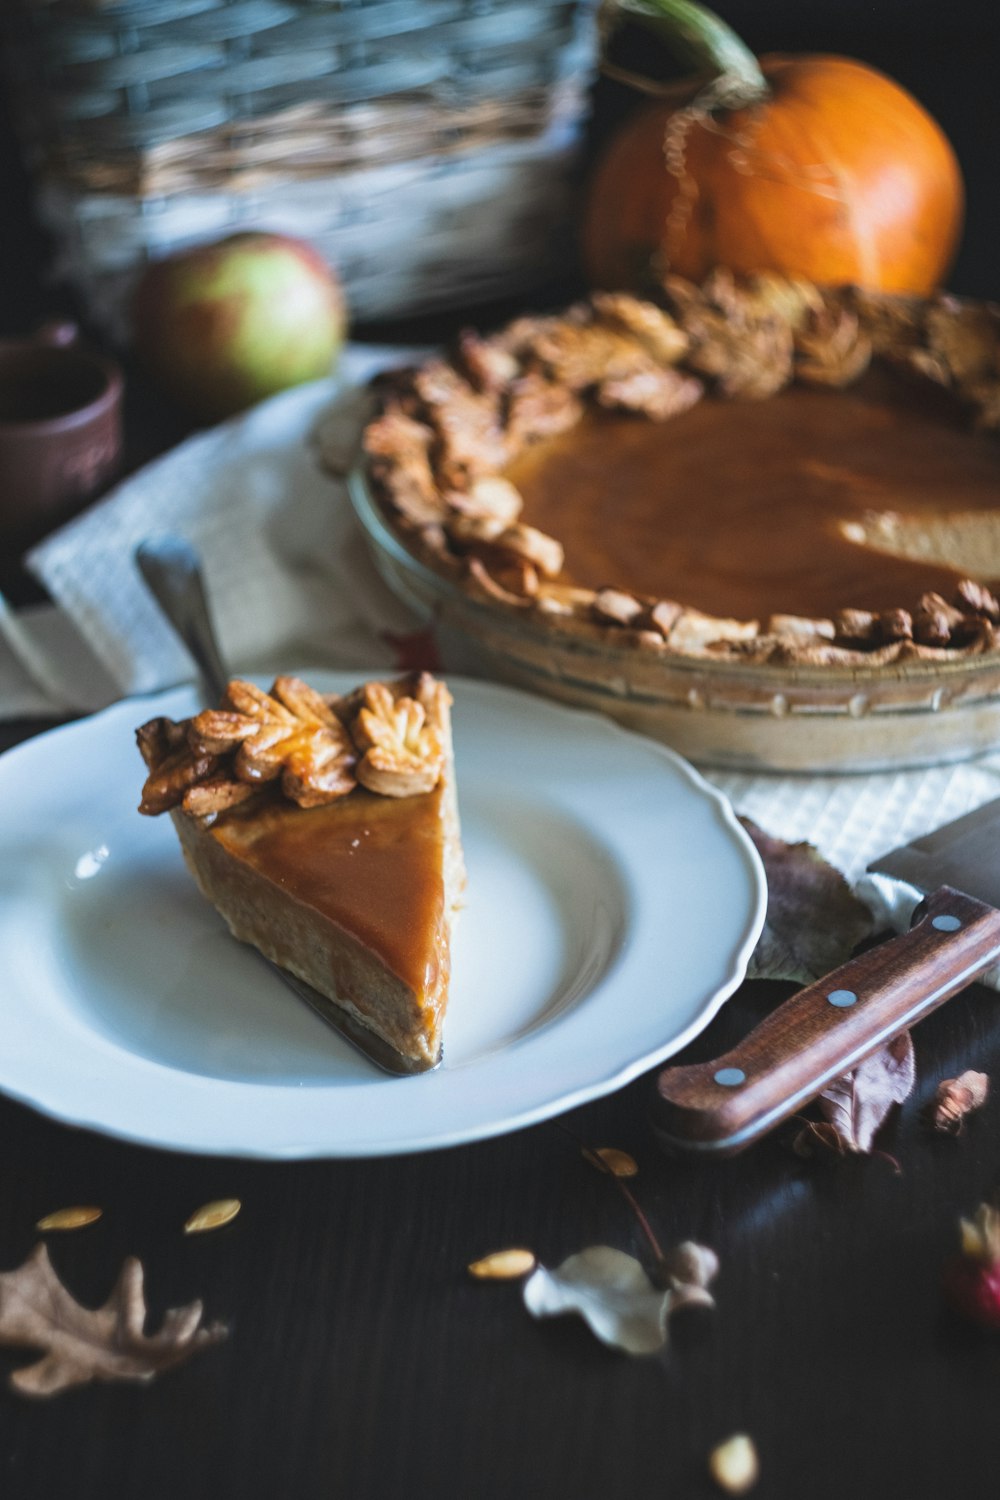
[(826, 1029)]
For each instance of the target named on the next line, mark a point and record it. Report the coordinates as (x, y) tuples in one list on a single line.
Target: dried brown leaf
[(80, 1344), (857, 1104), (814, 920), (954, 1098), (503, 1265), (76, 1217)]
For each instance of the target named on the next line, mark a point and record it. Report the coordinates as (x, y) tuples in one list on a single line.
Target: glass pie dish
[(731, 714)]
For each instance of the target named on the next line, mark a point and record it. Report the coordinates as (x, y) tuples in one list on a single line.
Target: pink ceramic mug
[(60, 431)]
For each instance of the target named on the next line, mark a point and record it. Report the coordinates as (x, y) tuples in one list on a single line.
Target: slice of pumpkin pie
[(325, 831)]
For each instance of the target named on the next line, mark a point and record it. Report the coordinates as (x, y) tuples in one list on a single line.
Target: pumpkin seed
[(733, 1464), (213, 1215), (70, 1218), (618, 1163), (503, 1265)]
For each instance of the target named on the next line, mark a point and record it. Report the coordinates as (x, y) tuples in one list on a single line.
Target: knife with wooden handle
[(829, 1027)]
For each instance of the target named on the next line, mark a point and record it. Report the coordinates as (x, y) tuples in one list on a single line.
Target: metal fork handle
[(172, 570)]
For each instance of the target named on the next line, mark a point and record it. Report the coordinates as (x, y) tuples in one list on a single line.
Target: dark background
[(362, 1362)]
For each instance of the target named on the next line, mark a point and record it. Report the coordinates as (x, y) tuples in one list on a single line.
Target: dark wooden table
[(363, 1362)]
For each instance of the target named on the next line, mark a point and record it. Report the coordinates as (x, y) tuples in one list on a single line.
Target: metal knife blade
[(826, 1029), (964, 854)]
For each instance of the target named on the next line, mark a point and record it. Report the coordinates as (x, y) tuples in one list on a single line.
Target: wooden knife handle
[(828, 1028)]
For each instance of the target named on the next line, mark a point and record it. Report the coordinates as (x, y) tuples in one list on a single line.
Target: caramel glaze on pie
[(739, 507), (370, 865)]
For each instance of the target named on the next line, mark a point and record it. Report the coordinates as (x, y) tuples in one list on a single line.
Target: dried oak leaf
[(814, 921), (80, 1344), (616, 1298), (857, 1104)]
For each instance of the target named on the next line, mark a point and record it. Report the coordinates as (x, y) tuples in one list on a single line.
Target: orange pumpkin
[(813, 166)]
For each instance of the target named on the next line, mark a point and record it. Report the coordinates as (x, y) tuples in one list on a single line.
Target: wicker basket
[(427, 147)]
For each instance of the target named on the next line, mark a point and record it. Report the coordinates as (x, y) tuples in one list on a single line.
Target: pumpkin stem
[(699, 40)]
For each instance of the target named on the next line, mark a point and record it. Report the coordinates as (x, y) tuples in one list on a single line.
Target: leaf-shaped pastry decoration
[(814, 920), (80, 1344), (857, 1104)]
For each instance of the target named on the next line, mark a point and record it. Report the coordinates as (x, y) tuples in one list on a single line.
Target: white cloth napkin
[(290, 579)]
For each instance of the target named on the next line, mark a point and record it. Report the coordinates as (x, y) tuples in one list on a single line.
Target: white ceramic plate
[(613, 902)]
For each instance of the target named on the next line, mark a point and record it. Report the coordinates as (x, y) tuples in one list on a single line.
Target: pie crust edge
[(445, 431)]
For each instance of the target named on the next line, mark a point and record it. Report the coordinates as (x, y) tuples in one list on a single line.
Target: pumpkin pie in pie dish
[(757, 518), (325, 831)]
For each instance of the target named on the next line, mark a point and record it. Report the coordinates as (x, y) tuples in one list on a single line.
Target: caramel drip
[(735, 508)]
